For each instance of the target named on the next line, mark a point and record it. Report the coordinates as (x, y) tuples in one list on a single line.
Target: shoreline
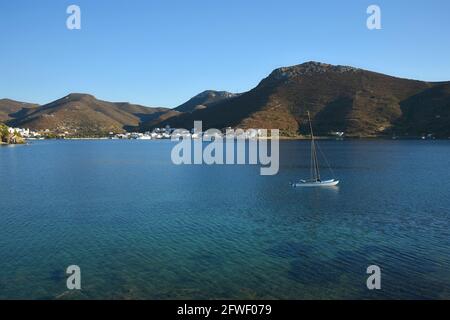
[(298, 138), (11, 144)]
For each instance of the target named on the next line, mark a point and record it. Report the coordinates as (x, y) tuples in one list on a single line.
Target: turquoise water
[(142, 228)]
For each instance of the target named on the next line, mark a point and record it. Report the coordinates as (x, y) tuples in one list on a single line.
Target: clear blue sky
[(161, 53)]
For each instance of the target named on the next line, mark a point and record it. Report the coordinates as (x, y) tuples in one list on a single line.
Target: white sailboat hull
[(326, 183)]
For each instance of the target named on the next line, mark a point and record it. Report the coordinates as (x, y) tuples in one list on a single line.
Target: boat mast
[(315, 173)]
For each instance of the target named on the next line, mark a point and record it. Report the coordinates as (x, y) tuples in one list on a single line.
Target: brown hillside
[(340, 98), (10, 109), (84, 114)]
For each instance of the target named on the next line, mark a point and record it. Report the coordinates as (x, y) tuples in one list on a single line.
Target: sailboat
[(315, 180)]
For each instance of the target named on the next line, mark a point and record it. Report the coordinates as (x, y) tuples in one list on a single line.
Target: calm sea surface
[(141, 227)]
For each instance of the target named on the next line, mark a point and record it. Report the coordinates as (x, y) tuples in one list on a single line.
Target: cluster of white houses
[(168, 133), (158, 133), (140, 136), (26, 133)]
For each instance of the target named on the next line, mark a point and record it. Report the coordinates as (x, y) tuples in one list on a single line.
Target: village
[(21, 135)]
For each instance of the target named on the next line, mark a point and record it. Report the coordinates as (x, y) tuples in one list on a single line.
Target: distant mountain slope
[(204, 100), (359, 102), (160, 120), (85, 115), (9, 109), (426, 112)]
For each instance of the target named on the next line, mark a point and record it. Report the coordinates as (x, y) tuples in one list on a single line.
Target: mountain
[(204, 100), (358, 102), (340, 98), (81, 114), (9, 109)]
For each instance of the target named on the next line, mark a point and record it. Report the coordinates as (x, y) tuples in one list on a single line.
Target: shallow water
[(142, 228)]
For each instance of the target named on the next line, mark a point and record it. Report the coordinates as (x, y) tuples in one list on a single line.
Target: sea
[(140, 227)]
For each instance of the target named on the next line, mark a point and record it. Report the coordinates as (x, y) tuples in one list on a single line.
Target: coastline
[(282, 138)]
